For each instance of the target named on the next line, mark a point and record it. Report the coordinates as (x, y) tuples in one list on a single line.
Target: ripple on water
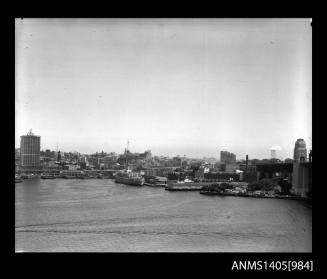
[(99, 215)]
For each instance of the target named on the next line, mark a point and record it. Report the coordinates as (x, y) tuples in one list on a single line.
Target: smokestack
[(246, 162)]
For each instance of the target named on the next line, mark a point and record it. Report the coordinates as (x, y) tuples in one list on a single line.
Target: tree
[(254, 186), (270, 187), (286, 186), (265, 181), (288, 160), (222, 186), (214, 187)]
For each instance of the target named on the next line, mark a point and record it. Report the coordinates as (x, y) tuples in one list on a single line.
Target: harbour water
[(98, 215)]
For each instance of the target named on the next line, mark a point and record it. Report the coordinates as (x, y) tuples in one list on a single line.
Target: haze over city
[(174, 86)]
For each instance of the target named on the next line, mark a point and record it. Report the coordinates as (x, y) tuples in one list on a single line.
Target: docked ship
[(29, 176), (155, 181), (185, 185), (129, 178), (48, 176)]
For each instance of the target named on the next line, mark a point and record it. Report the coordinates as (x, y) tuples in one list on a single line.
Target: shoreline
[(287, 197), (190, 188), (183, 189)]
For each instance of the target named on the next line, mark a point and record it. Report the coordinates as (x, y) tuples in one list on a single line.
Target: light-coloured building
[(273, 153), (232, 167), (30, 150), (71, 167), (150, 172)]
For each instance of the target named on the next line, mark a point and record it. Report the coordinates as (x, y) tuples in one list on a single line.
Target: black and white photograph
[(163, 135)]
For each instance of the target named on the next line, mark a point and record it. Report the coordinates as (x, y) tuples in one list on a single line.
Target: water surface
[(99, 215)]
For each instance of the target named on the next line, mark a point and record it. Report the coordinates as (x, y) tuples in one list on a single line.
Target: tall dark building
[(302, 170), (227, 157), (300, 151), (30, 150), (47, 153)]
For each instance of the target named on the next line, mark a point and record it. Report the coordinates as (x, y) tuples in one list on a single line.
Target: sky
[(188, 87)]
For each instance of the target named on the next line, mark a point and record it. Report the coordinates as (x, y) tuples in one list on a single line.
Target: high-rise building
[(148, 155), (227, 157), (59, 156), (47, 153), (17, 154), (273, 153), (30, 150), (300, 151), (302, 170)]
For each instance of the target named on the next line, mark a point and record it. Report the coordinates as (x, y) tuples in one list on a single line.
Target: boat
[(155, 181), (48, 176), (185, 185), (129, 178), (18, 179), (69, 177), (28, 176), (186, 180)]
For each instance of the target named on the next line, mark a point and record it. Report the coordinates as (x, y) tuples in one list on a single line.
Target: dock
[(183, 188)]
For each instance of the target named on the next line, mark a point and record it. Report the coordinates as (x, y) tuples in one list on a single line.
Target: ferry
[(28, 176), (155, 181), (129, 178), (185, 185), (48, 176)]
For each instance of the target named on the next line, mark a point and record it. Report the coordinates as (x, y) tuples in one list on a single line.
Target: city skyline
[(174, 86), (273, 148)]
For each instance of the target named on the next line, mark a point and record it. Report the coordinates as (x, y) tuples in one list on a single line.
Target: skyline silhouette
[(174, 86)]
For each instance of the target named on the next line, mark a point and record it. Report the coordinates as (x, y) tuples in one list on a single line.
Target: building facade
[(273, 154), (300, 151), (227, 157), (302, 170), (30, 151), (302, 179)]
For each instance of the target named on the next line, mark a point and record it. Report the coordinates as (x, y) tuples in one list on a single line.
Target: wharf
[(154, 184), (184, 188), (187, 186), (212, 193)]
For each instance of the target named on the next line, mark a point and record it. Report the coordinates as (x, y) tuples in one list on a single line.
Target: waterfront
[(102, 216)]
